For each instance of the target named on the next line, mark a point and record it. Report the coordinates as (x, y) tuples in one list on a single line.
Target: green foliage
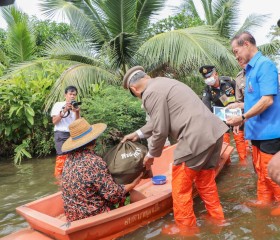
[(179, 21), (24, 127), (21, 152), (20, 38), (115, 107), (49, 31)]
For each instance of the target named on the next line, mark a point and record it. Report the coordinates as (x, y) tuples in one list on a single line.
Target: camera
[(75, 104)]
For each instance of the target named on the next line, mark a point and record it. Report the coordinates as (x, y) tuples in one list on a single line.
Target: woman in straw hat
[(87, 186)]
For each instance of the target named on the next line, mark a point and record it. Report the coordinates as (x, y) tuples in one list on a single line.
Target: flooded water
[(236, 185)]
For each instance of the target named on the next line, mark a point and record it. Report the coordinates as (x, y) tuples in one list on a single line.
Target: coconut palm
[(114, 33), (223, 15), (114, 39)]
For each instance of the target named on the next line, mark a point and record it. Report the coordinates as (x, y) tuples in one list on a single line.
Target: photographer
[(63, 114)]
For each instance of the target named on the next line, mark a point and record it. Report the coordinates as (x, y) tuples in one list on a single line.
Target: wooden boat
[(149, 202)]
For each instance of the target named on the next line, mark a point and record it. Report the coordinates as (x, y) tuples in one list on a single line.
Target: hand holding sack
[(125, 162)]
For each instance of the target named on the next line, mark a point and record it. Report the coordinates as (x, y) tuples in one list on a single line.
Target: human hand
[(235, 105), (148, 162), (68, 106), (235, 130), (273, 168), (235, 121), (76, 110), (132, 136), (232, 105)]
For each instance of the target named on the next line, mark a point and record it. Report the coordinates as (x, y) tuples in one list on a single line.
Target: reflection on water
[(22, 184), (236, 185)]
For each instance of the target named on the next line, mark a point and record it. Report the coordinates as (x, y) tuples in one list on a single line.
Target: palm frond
[(252, 21), (188, 48), (83, 52), (145, 9), (270, 49), (207, 7), (29, 66), (12, 15), (19, 35), (191, 8), (83, 76), (226, 16), (78, 19)]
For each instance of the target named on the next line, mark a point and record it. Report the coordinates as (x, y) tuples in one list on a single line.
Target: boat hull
[(149, 202)]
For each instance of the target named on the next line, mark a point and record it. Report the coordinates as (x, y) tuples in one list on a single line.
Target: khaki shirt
[(240, 86), (177, 111)]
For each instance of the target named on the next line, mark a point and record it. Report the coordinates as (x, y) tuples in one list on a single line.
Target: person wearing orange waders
[(170, 105), (261, 113), (63, 114), (219, 92), (241, 144)]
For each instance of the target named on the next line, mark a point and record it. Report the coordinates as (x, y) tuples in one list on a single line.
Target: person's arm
[(206, 99), (77, 112), (235, 105), (63, 113), (264, 103), (130, 186), (108, 189), (57, 118)]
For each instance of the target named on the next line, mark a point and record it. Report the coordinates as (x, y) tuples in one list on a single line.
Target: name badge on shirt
[(250, 87), (226, 100)]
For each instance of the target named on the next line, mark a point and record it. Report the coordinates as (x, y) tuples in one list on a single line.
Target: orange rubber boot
[(240, 147), (59, 163), (207, 189), (226, 139)]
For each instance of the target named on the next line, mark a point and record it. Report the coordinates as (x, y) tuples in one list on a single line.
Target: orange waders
[(59, 163), (267, 190), (241, 145), (226, 139), (182, 187)]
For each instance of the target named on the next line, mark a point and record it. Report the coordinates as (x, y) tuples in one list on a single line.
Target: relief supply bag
[(125, 162)]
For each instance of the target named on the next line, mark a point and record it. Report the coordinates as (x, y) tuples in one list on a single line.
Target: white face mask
[(210, 81)]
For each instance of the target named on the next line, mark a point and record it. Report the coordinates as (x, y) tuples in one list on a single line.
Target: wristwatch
[(243, 117)]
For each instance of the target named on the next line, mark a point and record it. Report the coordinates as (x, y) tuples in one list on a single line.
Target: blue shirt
[(262, 80)]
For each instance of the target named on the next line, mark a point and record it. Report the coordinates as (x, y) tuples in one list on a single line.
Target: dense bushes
[(25, 130), (115, 107)]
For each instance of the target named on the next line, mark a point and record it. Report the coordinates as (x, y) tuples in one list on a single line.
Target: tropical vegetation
[(93, 50)]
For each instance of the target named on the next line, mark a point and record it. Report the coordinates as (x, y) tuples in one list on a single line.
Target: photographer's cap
[(129, 74)]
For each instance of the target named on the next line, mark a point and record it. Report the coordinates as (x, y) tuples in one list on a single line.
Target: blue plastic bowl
[(159, 179)]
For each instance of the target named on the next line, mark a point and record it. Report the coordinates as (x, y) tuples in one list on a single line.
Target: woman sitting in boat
[(87, 186)]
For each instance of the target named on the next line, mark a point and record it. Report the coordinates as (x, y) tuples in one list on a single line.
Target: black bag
[(125, 162)]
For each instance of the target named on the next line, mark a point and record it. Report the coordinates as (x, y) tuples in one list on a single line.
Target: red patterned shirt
[(87, 186)]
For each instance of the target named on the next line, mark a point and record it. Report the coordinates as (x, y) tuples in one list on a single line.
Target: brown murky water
[(236, 184)]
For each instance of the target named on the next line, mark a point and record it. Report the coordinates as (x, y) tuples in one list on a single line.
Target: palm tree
[(114, 39), (114, 33), (223, 15)]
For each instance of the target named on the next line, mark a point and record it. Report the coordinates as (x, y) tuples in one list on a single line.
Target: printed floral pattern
[(87, 186)]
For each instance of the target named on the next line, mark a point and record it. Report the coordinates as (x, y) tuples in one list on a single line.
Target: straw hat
[(81, 133), (129, 74)]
